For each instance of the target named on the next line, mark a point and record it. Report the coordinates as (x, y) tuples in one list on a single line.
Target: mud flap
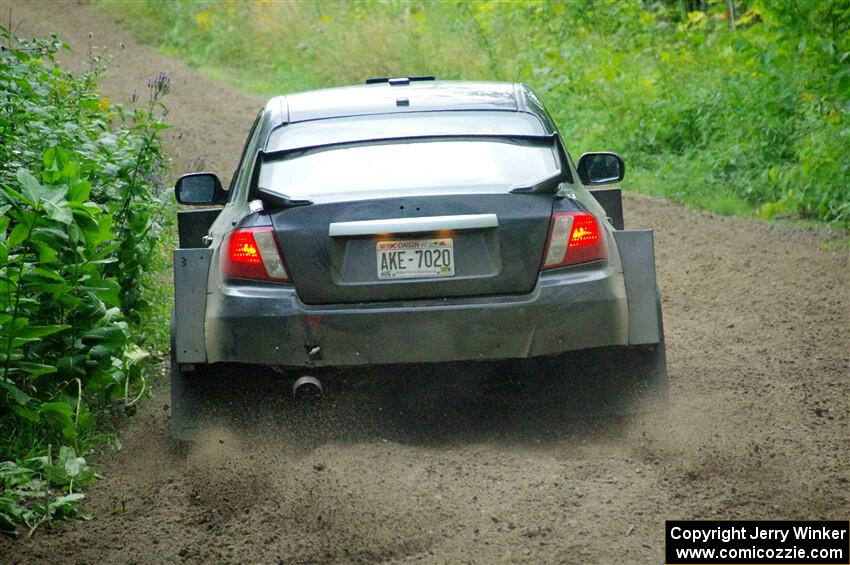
[(184, 415), (191, 267), (611, 200), (637, 253), (644, 369), (193, 225)]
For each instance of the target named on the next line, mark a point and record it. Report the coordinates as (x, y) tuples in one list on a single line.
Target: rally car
[(409, 220)]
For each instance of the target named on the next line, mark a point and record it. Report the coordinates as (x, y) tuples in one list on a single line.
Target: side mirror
[(601, 168), (198, 189)]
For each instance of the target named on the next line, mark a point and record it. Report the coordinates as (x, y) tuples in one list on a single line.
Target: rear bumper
[(569, 309)]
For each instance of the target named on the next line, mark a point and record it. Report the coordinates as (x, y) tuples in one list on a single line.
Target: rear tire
[(651, 369), (641, 375), (618, 380), (608, 381), (222, 395), (641, 372)]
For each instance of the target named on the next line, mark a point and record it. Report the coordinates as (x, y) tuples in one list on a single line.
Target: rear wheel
[(639, 375), (607, 381), (223, 395), (208, 396), (647, 371), (598, 382)]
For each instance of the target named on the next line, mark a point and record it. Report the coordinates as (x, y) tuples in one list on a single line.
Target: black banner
[(768, 542)]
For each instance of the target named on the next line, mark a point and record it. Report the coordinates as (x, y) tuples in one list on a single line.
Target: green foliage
[(39, 489), (81, 212), (737, 111)]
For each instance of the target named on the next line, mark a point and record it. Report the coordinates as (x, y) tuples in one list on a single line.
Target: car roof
[(404, 97)]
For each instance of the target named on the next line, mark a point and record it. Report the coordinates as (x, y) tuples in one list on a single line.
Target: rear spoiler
[(543, 184), (282, 200)]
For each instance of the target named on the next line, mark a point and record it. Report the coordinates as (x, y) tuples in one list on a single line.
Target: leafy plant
[(81, 214), (40, 489)]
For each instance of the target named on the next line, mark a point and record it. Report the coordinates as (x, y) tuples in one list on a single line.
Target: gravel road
[(758, 340)]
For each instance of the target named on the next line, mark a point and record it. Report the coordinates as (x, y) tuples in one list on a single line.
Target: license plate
[(415, 258)]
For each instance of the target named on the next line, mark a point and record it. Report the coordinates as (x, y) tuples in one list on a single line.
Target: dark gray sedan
[(409, 221)]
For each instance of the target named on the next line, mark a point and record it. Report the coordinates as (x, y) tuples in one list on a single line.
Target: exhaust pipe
[(307, 387)]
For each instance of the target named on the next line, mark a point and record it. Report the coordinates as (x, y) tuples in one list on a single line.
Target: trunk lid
[(459, 245)]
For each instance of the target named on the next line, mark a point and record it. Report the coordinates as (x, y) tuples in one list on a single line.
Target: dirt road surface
[(758, 338)]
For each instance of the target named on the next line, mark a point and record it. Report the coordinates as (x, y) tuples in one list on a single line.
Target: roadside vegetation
[(737, 106), (82, 220)]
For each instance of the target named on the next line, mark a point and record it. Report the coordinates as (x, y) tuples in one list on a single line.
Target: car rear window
[(492, 165)]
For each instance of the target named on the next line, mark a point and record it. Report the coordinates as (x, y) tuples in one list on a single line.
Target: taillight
[(574, 237), (253, 253)]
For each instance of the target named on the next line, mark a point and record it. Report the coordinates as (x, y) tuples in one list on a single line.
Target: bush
[(80, 218)]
